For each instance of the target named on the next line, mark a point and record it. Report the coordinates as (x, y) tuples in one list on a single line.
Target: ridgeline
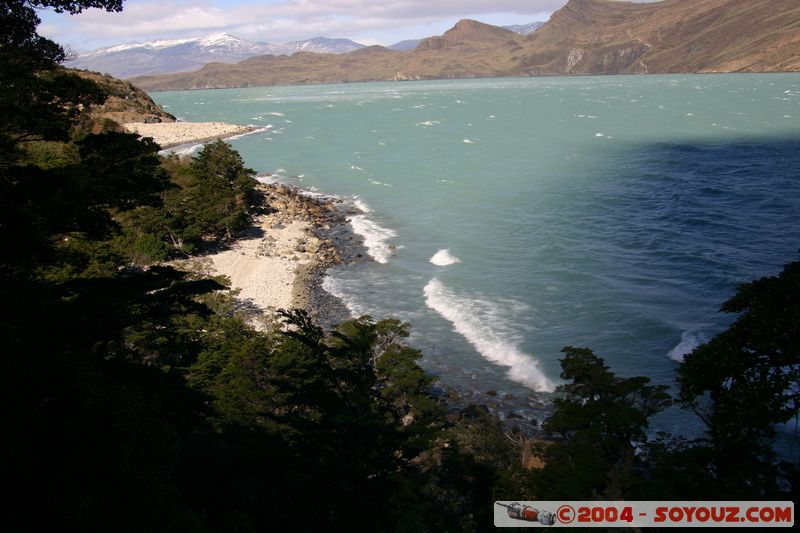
[(584, 37)]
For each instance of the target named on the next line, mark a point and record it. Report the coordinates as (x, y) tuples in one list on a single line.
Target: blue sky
[(275, 21)]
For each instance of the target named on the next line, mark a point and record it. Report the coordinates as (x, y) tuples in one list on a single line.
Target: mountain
[(584, 37), (609, 37), (469, 49), (525, 29), (404, 46), (323, 45), (178, 55), (522, 29)]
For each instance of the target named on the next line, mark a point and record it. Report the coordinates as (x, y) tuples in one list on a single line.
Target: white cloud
[(277, 21)]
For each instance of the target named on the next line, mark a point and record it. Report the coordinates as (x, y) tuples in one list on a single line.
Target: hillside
[(125, 102), (584, 37), (602, 37)]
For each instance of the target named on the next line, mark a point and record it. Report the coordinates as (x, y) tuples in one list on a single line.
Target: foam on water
[(376, 237), (443, 258), (361, 205), (183, 149), (689, 341), (254, 132), (483, 324), (341, 290)]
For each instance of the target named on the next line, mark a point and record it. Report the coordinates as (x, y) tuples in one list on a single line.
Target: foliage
[(600, 419), (746, 381), (208, 201)]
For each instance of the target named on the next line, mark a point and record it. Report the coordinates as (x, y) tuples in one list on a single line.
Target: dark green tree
[(746, 381), (599, 420), (222, 191)]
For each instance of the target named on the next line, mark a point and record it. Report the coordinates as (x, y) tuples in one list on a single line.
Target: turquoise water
[(616, 213)]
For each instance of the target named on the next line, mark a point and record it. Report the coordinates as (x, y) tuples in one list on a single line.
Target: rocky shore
[(280, 261), (169, 134)]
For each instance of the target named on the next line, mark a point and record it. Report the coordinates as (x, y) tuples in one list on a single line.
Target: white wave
[(276, 114), (356, 167), (443, 258), (361, 205), (483, 325), (598, 134), (376, 237), (313, 192), (428, 123), (376, 182), (183, 149), (689, 341), (266, 179), (257, 130), (468, 141), (343, 292)]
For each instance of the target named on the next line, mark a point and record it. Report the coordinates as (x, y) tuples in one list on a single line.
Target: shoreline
[(171, 134), (280, 261)]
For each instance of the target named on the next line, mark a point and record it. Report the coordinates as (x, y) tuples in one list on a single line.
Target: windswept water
[(509, 218)]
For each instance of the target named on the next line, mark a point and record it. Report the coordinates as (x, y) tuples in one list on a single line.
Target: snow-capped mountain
[(177, 55), (317, 44), (525, 29)]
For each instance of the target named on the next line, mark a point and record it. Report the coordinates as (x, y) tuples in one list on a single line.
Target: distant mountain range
[(180, 55), (584, 37)]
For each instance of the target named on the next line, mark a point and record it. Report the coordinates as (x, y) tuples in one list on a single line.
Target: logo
[(517, 511)]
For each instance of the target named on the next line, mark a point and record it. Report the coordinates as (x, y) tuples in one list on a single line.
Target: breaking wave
[(483, 325), (689, 341), (443, 258), (376, 237)]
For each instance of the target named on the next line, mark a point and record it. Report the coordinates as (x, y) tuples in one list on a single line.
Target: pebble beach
[(278, 262), (169, 134)]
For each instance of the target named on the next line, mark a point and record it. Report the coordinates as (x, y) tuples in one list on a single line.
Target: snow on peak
[(220, 39)]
